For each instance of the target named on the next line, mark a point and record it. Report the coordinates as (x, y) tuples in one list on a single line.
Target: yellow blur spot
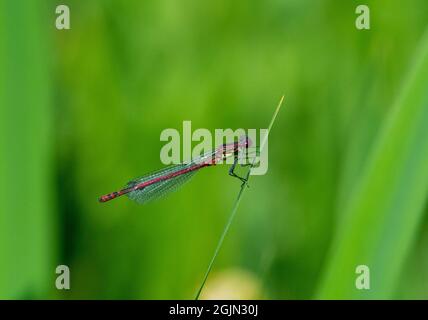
[(232, 284)]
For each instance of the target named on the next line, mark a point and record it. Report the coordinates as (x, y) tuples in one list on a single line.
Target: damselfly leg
[(246, 163)]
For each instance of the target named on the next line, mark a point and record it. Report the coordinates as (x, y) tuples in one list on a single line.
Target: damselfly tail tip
[(106, 197)]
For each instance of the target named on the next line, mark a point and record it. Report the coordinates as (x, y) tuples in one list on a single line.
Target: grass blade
[(385, 210), (26, 233), (236, 205)]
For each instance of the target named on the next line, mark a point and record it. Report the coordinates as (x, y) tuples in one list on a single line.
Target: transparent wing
[(160, 188)]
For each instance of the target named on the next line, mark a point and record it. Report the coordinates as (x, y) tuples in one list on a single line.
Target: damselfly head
[(245, 141)]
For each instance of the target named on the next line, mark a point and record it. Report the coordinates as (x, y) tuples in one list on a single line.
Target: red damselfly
[(157, 184)]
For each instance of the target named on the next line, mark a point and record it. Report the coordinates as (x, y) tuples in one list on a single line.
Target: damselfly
[(157, 184)]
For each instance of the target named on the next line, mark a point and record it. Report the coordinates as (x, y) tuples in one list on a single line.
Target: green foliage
[(386, 207), (26, 220), (82, 111)]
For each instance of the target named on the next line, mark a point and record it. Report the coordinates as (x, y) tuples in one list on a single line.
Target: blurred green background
[(82, 111)]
